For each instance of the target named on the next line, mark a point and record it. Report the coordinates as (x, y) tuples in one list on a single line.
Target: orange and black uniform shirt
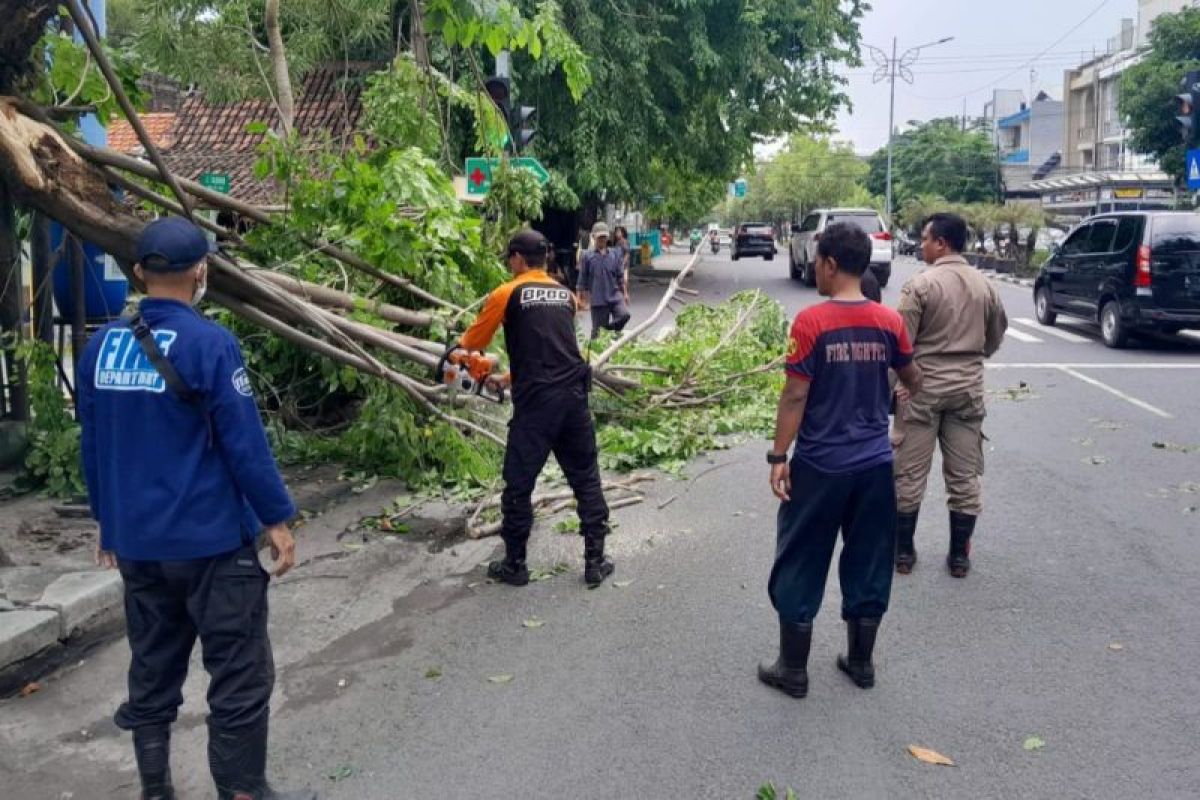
[(538, 315)]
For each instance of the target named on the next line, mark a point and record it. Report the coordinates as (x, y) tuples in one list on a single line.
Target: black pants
[(555, 422), (863, 507), (223, 601)]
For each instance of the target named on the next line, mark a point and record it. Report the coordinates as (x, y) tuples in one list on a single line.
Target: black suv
[(1132, 271), (753, 239)]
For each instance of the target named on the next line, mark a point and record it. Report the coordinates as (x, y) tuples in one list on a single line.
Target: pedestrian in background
[(834, 407), (181, 479), (621, 242), (602, 283), (956, 320)]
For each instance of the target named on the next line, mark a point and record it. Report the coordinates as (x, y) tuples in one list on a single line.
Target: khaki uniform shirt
[(955, 320)]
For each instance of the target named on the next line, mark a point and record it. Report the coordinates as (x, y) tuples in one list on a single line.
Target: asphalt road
[(1077, 626)]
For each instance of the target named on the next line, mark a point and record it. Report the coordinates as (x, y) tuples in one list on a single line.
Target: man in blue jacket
[(181, 479)]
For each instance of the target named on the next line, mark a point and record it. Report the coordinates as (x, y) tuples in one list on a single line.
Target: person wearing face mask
[(181, 479)]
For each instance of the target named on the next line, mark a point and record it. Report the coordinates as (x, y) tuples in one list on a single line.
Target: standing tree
[(1148, 88), (938, 157)]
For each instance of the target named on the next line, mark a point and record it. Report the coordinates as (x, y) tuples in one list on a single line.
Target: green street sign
[(216, 181), (533, 165), (479, 176), (739, 187), (479, 172)]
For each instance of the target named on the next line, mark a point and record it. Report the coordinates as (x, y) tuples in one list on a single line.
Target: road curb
[(72, 608), (1003, 277)]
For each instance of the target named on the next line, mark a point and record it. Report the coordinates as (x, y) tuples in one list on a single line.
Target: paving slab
[(84, 599), (26, 632)]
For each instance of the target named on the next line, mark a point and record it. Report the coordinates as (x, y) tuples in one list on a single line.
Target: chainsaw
[(468, 371)]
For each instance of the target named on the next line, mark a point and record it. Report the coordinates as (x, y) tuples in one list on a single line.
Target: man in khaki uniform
[(955, 320)]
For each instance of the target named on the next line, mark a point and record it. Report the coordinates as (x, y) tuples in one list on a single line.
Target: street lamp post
[(888, 68)]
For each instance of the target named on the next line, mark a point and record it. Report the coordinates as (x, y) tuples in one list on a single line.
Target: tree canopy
[(1148, 89), (938, 158)]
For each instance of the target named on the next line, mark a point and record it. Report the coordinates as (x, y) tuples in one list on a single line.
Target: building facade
[(1029, 142)]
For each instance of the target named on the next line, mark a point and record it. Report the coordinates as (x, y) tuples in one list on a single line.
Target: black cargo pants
[(556, 422), (222, 600)]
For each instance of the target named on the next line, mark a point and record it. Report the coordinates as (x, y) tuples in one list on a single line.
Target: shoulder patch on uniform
[(241, 382), (121, 366)]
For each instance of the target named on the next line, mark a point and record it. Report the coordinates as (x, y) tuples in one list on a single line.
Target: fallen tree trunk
[(332, 298)]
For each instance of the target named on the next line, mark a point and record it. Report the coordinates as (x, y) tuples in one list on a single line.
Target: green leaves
[(1147, 89), (52, 462), (1033, 743), (938, 158)]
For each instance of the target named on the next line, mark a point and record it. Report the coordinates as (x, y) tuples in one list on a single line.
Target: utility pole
[(888, 68)]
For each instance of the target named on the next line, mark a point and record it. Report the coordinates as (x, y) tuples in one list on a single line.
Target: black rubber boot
[(860, 641), (906, 551), (511, 569), (238, 760), (959, 558), (152, 747), (789, 673), (596, 566)]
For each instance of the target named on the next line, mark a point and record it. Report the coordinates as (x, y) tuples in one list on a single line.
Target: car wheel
[(734, 256), (810, 277), (769, 258), (793, 273), (1112, 328), (1171, 330), (1044, 307)]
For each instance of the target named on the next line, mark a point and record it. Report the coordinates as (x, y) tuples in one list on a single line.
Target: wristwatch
[(776, 458)]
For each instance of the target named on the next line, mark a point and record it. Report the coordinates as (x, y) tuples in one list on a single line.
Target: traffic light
[(522, 121), (1187, 108), (500, 90)]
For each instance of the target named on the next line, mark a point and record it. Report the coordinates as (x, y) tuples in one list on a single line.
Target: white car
[(802, 249)]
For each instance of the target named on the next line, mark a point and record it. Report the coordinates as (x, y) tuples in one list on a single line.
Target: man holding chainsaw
[(550, 383)]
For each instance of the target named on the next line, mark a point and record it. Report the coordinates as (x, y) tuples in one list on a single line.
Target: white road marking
[(1142, 404), (1022, 336), (1061, 334), (1084, 365)]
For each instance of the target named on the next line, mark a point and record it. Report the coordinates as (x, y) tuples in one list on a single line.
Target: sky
[(992, 38)]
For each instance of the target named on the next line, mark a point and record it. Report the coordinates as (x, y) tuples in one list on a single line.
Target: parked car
[(802, 250), (1129, 271), (753, 239)]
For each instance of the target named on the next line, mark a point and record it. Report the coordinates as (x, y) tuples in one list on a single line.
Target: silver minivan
[(802, 249)]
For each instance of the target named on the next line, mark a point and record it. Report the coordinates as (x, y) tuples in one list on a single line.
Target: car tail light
[(883, 236), (1141, 274)]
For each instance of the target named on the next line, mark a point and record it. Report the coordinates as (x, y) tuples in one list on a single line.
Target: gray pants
[(613, 316)]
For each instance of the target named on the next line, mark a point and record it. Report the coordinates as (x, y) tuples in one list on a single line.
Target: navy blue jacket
[(159, 489)]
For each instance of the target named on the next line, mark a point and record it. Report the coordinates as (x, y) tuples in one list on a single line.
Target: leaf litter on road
[(1033, 743), (533, 622), (503, 678), (433, 673), (929, 756), (1116, 647), (622, 584), (341, 773)]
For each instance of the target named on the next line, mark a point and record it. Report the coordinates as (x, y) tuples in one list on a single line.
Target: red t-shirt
[(846, 349)]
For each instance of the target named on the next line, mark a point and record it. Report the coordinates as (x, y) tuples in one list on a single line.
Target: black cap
[(528, 243), (172, 244)]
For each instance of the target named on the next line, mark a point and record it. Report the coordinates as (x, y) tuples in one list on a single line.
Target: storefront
[(1080, 196)]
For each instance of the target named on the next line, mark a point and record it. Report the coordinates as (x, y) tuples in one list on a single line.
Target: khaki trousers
[(954, 422)]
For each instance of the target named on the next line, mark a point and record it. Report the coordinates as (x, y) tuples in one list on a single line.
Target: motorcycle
[(716, 244)]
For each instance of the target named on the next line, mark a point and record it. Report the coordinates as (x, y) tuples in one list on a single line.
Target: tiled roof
[(123, 139), (213, 138)]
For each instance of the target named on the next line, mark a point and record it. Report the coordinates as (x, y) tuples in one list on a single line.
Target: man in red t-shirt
[(834, 407)]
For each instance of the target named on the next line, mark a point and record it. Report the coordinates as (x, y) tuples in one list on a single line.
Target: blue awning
[(1013, 120)]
